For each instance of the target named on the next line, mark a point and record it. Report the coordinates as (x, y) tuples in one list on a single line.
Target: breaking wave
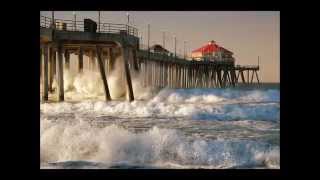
[(64, 144), (196, 104), (70, 138)]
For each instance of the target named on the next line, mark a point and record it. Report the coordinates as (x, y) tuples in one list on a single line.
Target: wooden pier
[(120, 40)]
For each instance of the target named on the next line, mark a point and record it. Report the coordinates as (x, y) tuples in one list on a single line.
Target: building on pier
[(212, 52), (159, 49)]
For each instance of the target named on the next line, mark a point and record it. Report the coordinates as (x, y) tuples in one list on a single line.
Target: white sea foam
[(79, 86), (82, 142), (163, 105), (66, 135)]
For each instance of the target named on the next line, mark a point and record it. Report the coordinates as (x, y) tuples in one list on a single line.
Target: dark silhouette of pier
[(60, 38)]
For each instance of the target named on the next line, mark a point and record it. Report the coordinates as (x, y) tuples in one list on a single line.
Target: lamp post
[(175, 46), (74, 20), (148, 37), (99, 21), (52, 16), (128, 16), (184, 49), (163, 38)]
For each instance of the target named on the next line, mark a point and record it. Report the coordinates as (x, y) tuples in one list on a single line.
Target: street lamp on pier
[(99, 21), (163, 38), (184, 49), (53, 24), (148, 38), (74, 20), (175, 46), (128, 17)]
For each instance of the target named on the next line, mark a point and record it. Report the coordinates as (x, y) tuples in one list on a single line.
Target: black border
[(26, 92)]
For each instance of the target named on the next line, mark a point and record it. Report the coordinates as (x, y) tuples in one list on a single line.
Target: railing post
[(127, 29)]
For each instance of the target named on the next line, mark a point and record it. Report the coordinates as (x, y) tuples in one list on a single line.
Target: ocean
[(163, 128)]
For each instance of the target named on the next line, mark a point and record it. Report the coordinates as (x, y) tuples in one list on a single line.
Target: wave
[(88, 84), (217, 95), (195, 104), (63, 142)]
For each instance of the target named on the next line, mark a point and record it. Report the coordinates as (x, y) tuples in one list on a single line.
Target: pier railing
[(144, 47), (247, 67), (71, 25)]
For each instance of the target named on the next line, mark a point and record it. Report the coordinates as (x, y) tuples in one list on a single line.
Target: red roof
[(211, 47)]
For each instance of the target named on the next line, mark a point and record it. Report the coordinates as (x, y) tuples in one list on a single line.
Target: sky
[(248, 34)]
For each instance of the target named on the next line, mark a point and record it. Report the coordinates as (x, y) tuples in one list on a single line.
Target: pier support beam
[(145, 73), (257, 77), (237, 78), (111, 60), (103, 74), (54, 62), (252, 77), (135, 60), (40, 61), (233, 77), (60, 74), (219, 78), (80, 58), (129, 93), (92, 60), (248, 73), (45, 74), (51, 68), (67, 58), (225, 76), (242, 77)]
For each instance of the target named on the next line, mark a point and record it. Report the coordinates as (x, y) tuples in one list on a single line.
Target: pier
[(61, 38)]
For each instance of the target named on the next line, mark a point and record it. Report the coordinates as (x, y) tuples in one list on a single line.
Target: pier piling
[(60, 73), (80, 58), (45, 73), (129, 91), (103, 74), (67, 59), (51, 68)]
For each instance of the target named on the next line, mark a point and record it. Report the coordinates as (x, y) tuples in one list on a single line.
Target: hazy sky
[(248, 34)]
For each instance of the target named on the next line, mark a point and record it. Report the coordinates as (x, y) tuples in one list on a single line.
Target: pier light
[(74, 20), (175, 46), (184, 48), (53, 23), (128, 16), (148, 37), (163, 38)]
